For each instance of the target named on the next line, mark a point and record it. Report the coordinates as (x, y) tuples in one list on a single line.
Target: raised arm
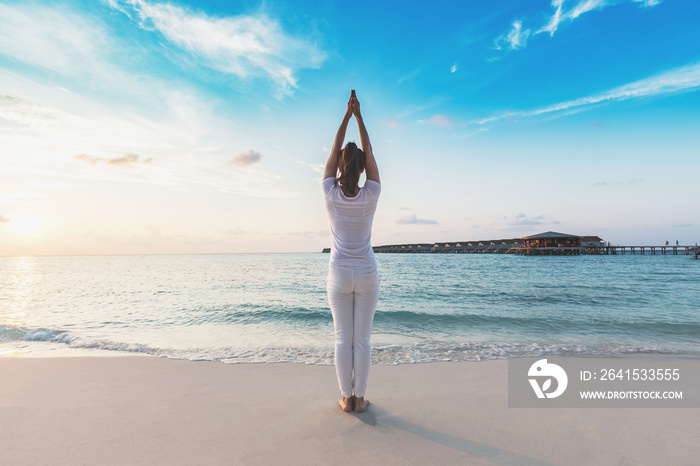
[(371, 169), (332, 163)]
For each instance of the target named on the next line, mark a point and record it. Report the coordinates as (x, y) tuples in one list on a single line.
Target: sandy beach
[(148, 410)]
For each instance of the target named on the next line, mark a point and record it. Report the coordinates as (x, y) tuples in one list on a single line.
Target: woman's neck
[(357, 191)]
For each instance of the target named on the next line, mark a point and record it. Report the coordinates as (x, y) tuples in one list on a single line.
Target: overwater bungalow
[(552, 239), (592, 241)]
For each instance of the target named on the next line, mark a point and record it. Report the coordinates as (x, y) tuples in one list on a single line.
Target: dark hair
[(351, 162)]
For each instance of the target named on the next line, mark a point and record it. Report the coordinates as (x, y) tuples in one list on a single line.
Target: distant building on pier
[(592, 242), (552, 239), (547, 243)]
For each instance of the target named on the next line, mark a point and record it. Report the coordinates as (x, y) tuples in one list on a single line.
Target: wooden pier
[(646, 249), (510, 248), (550, 243), (603, 250)]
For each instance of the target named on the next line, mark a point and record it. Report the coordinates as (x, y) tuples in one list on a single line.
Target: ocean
[(254, 308)]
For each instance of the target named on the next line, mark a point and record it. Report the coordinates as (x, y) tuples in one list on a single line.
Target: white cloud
[(245, 46), (413, 219), (584, 6), (681, 79), (105, 111), (51, 38), (188, 145), (553, 24), (246, 158), (522, 219), (560, 15), (515, 38)]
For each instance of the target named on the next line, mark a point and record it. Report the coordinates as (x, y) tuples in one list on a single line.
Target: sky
[(154, 127)]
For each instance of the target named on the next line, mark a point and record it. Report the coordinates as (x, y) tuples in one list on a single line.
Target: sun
[(27, 225)]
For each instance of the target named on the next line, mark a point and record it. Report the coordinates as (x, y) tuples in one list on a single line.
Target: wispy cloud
[(410, 75), (522, 219), (683, 79), (437, 120), (309, 233), (245, 46), (246, 158), (414, 220), (648, 2), (584, 6), (514, 39), (128, 161), (600, 184), (236, 231), (107, 111), (553, 23), (186, 151), (391, 122), (50, 38), (19, 197), (581, 7), (563, 16), (4, 219), (564, 12), (317, 167)]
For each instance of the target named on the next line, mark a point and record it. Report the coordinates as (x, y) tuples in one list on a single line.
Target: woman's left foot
[(346, 404), (360, 404)]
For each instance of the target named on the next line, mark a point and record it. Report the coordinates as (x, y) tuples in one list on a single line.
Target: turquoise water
[(273, 307)]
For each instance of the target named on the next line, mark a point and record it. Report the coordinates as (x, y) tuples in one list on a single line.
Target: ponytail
[(351, 162)]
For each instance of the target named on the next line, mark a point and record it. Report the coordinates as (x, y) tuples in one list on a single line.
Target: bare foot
[(346, 404), (360, 404)]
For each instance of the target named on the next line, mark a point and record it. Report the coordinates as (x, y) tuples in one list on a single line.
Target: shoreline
[(136, 410), (383, 354), (390, 354)]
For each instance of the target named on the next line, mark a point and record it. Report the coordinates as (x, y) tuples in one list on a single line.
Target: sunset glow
[(27, 226), (168, 127)]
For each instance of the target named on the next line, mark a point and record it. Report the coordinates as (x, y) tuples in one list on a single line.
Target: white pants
[(352, 294)]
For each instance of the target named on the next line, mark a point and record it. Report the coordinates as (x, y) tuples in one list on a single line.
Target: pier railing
[(645, 249)]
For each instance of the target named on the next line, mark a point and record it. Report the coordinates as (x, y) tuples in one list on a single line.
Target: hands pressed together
[(371, 169), (353, 105)]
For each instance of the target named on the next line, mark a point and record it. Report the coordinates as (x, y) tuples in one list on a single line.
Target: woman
[(353, 283)]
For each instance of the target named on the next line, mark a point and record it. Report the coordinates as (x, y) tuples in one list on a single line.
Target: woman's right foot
[(360, 404), (346, 404)]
